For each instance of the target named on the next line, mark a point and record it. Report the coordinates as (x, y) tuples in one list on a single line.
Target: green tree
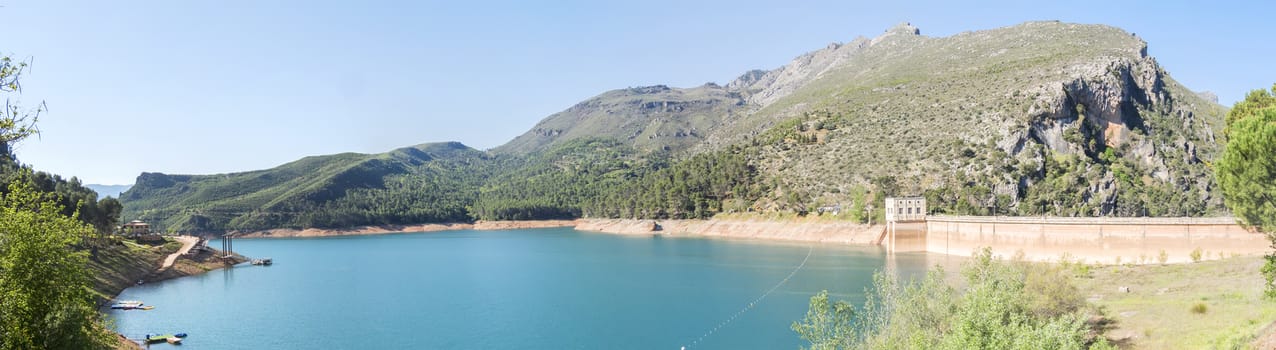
[(1246, 171), (827, 326), (110, 214), (45, 302)]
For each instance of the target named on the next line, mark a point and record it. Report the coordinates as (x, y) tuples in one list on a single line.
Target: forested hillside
[(425, 183), (1038, 118), (72, 195)]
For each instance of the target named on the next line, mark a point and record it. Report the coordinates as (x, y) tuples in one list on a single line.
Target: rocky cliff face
[(764, 88), (1123, 105), (1002, 112)]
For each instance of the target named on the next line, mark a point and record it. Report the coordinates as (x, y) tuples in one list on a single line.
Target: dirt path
[(187, 243)]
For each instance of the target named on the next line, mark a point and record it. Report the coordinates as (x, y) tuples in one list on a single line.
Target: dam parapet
[(1091, 239)]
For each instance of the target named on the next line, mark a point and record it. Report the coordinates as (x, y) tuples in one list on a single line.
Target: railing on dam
[(1060, 220)]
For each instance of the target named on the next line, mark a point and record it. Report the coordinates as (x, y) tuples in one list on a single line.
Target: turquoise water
[(517, 289)]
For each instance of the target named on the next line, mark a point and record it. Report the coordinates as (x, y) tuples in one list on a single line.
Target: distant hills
[(424, 183), (1042, 117), (108, 190)]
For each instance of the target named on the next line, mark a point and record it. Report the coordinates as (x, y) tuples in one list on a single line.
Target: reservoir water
[(515, 289)]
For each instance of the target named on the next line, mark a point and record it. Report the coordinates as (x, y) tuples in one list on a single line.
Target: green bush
[(44, 296), (1007, 305), (1269, 275)]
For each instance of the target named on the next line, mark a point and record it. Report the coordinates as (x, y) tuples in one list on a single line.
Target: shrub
[(1269, 275), (1007, 305), (1199, 308), (1163, 257), (1196, 255), (1050, 292)]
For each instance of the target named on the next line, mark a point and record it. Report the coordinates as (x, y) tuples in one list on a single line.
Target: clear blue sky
[(221, 86)]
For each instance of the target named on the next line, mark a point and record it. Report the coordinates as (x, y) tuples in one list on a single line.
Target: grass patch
[(1199, 308), (1166, 307)]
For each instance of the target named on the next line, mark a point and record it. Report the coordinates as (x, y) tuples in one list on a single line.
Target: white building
[(903, 209)]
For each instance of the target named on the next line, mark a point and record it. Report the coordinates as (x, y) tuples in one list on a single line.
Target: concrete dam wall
[(1093, 240)]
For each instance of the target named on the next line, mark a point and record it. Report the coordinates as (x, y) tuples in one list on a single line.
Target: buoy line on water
[(754, 302)]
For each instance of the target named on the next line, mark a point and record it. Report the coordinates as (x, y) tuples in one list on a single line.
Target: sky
[(202, 87)]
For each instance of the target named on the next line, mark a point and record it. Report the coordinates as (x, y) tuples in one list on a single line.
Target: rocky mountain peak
[(904, 28), (746, 79), (654, 89)]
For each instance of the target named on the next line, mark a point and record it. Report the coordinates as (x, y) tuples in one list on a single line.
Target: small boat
[(262, 262), (147, 307), (126, 305), (169, 338)]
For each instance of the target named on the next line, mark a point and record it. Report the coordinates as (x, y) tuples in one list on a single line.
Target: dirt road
[(188, 242)]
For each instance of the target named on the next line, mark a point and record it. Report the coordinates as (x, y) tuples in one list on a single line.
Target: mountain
[(1076, 118), (652, 118), (337, 190), (108, 190), (1041, 117)]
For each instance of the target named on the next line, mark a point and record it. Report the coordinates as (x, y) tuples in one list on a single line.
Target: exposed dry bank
[(352, 231), (122, 263), (790, 229), (386, 229)]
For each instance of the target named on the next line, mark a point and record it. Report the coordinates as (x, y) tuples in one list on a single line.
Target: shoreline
[(147, 263), (809, 230), (181, 265), (350, 231), (1097, 240), (393, 229)]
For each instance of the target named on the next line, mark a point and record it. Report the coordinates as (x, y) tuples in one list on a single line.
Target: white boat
[(127, 304)]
